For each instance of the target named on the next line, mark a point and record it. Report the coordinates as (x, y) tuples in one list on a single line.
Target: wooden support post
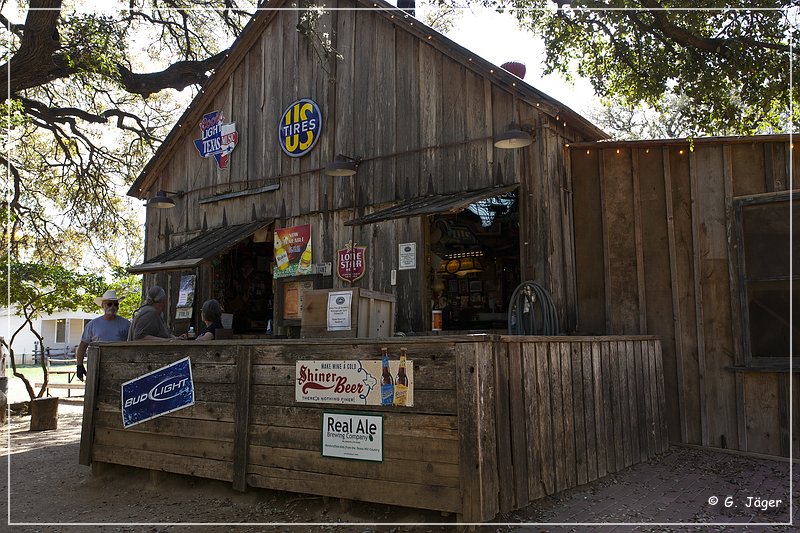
[(476, 431), (89, 398), (241, 417)]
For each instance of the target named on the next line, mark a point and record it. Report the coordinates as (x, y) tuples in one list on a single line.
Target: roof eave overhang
[(167, 265), (438, 204)]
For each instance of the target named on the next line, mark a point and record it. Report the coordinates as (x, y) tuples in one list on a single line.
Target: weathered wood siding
[(496, 422), (421, 119), (574, 409), (657, 253)]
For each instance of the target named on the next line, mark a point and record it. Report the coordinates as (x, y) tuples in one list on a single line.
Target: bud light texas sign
[(217, 139), (160, 392), (300, 127)]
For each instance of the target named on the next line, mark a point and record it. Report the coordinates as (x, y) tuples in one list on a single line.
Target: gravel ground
[(50, 491)]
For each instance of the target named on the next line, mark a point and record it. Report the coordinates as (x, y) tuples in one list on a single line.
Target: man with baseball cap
[(109, 327)]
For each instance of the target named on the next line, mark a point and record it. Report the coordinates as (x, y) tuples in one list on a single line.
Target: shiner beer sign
[(157, 393), (217, 140), (350, 264), (354, 382)]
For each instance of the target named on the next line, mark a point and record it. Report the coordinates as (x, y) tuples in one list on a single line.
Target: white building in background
[(60, 331)]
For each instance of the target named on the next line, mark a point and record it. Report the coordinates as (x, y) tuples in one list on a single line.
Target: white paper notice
[(339, 304), (407, 256)]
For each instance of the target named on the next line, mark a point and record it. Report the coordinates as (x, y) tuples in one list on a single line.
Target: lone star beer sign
[(217, 140), (350, 262)]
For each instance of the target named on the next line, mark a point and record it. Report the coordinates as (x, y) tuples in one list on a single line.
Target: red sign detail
[(350, 262)]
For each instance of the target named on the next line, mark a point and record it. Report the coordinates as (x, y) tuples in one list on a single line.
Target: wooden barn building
[(356, 148)]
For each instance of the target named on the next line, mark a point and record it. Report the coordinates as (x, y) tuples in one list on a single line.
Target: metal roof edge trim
[(730, 139), (146, 267)]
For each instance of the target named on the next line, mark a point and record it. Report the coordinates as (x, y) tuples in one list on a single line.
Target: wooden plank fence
[(497, 422)]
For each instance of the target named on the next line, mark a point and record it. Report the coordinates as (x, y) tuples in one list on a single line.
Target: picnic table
[(69, 368)]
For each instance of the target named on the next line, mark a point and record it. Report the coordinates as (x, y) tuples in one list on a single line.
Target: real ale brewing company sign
[(300, 127), (352, 436)]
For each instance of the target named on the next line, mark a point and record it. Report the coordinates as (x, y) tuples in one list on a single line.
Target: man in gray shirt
[(148, 321), (109, 327)]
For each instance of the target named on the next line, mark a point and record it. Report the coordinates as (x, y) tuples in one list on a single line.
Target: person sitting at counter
[(211, 314), (147, 322)]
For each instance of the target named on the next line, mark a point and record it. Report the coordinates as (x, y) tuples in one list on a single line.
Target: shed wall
[(657, 253), (421, 119)]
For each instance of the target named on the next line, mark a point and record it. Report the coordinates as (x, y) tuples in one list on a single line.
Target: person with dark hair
[(211, 314), (147, 323)]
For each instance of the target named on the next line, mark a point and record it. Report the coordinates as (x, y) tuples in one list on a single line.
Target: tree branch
[(66, 114), (14, 28), (177, 76), (720, 46), (38, 61), (35, 62)]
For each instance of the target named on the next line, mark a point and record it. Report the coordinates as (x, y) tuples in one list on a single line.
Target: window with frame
[(61, 330), (770, 263)]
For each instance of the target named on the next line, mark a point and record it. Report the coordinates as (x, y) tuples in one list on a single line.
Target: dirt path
[(48, 486), (50, 490)]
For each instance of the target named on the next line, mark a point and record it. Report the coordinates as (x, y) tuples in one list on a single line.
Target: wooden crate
[(371, 315)]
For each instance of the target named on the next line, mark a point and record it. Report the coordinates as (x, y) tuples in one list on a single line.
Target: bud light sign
[(217, 139), (300, 127), (160, 392)]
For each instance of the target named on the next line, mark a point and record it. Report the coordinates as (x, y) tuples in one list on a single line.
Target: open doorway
[(475, 266), (242, 282)]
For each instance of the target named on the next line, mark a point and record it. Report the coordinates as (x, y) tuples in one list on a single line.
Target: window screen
[(770, 259)]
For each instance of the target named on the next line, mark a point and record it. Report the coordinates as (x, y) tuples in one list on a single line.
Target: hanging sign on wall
[(217, 140), (350, 262), (292, 251), (300, 127), (355, 382), (157, 393)]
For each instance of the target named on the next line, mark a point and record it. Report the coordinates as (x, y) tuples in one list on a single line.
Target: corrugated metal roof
[(431, 205), (201, 248)]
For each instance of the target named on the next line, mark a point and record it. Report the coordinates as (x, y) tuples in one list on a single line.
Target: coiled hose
[(531, 311)]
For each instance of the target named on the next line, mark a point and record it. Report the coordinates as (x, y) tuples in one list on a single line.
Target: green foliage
[(95, 45), (36, 288), (129, 287), (730, 65)]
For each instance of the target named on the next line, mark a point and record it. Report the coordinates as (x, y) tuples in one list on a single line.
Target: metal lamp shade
[(513, 139), (340, 167), (161, 201)]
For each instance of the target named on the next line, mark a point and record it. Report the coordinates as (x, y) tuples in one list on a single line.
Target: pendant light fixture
[(514, 137), (342, 165), (161, 200)]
